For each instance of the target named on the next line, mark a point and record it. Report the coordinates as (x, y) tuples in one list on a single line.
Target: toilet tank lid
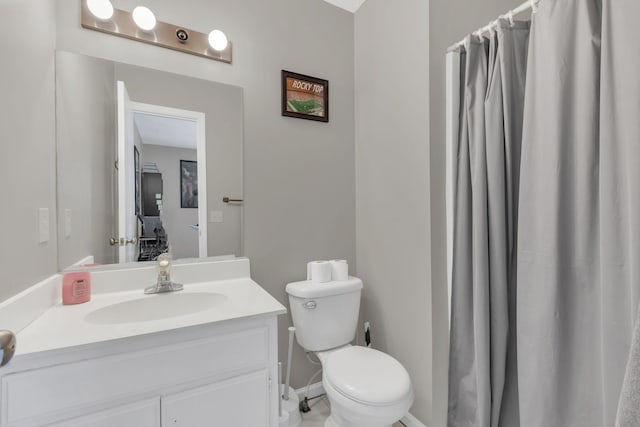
[(309, 289)]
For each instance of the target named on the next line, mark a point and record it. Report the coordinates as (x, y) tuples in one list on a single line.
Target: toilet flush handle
[(309, 305)]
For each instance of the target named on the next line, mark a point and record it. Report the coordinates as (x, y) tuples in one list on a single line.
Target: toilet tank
[(325, 314)]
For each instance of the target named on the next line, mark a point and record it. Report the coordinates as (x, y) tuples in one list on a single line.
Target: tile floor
[(319, 413)]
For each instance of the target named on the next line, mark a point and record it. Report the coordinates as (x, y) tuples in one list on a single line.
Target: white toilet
[(365, 387)]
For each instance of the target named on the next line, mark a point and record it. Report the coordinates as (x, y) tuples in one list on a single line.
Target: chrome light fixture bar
[(163, 34)]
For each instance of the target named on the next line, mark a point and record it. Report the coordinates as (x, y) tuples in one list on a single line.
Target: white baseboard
[(411, 421), (317, 389)]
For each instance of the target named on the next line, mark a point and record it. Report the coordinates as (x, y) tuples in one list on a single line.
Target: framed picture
[(138, 193), (305, 97), (188, 184)]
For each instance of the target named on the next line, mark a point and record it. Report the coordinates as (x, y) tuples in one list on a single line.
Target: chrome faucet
[(164, 283)]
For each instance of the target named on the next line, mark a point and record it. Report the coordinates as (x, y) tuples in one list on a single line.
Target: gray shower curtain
[(546, 241), (579, 225), (483, 387)]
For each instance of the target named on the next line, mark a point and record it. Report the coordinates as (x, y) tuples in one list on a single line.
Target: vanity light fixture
[(101, 9), (144, 18), (218, 40), (100, 15)]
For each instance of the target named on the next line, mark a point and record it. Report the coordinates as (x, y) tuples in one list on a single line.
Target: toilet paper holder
[(227, 199)]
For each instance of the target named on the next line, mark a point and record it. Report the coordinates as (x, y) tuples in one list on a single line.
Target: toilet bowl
[(365, 387)]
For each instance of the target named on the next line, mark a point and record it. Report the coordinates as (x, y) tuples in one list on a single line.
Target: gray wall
[(392, 181), (177, 221), (299, 179), (27, 126), (400, 157), (223, 108), (86, 127), (449, 21)]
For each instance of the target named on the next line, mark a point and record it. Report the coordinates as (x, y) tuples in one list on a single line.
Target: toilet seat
[(367, 376)]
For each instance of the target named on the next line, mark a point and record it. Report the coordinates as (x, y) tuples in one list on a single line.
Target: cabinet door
[(242, 401), (140, 414)]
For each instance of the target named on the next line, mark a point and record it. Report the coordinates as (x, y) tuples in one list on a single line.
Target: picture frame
[(305, 97), (137, 180), (188, 184)]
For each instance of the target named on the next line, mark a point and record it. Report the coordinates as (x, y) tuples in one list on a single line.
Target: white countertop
[(64, 326), (215, 291)]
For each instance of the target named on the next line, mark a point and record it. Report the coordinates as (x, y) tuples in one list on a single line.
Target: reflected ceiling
[(350, 5), (166, 131)]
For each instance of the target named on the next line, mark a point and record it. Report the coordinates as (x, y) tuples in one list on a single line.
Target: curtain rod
[(530, 4)]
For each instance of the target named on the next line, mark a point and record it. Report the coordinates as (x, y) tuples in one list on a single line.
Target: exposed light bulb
[(101, 9), (144, 18), (218, 40)]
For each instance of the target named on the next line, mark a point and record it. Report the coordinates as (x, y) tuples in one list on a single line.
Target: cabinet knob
[(7, 346)]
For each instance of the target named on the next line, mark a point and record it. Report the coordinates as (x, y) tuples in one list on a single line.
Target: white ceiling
[(350, 5), (166, 131)]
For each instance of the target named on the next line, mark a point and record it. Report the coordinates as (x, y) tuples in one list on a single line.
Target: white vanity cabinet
[(239, 401), (218, 374), (139, 414)]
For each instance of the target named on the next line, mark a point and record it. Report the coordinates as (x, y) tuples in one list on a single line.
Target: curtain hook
[(510, 16), (534, 6)]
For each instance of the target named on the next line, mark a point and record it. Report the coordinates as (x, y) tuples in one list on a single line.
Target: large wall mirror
[(144, 161)]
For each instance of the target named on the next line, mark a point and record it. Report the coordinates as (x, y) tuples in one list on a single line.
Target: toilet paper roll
[(309, 264), (339, 269), (319, 271)]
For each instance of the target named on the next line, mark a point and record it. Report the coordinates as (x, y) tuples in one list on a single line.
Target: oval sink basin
[(155, 307)]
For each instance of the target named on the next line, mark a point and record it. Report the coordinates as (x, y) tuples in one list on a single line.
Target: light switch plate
[(43, 220), (216, 216), (67, 223)]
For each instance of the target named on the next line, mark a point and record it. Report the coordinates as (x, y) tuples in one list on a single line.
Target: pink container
[(76, 287)]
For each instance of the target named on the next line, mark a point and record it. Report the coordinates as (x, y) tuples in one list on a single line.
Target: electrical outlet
[(216, 216)]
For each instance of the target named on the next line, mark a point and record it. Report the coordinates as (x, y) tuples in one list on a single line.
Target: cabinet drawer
[(58, 392)]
